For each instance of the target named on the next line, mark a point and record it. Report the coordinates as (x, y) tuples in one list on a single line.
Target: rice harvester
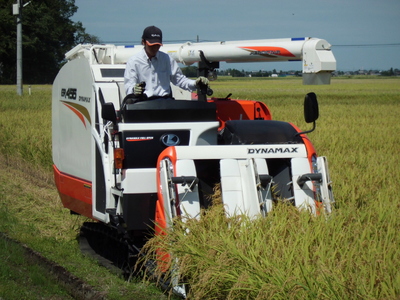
[(132, 165)]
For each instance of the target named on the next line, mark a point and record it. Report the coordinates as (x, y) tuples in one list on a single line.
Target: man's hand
[(201, 81), (138, 90)]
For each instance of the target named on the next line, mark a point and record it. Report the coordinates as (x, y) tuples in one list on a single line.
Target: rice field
[(352, 254)]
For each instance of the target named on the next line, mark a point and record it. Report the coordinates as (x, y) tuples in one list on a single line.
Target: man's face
[(151, 51)]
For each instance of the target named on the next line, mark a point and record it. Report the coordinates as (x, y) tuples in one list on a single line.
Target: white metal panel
[(251, 201), (317, 57), (137, 181), (241, 151), (180, 94), (326, 188), (189, 201), (231, 186), (73, 118), (304, 196), (238, 187), (266, 194), (166, 191)]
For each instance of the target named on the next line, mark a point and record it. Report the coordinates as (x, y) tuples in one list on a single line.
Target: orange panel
[(75, 193), (240, 110)]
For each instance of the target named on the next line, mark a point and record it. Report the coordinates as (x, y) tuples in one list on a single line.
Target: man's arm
[(180, 80), (130, 78)]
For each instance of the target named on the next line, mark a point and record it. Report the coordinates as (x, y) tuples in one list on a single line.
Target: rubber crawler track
[(109, 248), (117, 253)]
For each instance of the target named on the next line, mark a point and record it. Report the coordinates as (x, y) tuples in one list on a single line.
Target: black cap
[(152, 35)]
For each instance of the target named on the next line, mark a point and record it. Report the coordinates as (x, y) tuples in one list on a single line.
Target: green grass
[(20, 278), (30, 208), (288, 255), (25, 126)]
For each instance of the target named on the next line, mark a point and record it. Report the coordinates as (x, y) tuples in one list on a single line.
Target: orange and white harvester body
[(144, 163)]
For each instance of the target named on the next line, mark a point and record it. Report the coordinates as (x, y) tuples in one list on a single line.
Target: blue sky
[(365, 34)]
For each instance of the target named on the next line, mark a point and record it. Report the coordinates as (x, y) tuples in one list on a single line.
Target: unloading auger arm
[(318, 61)]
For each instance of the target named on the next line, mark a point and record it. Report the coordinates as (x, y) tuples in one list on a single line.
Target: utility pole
[(17, 11)]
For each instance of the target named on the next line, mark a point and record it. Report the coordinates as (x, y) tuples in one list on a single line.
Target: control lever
[(206, 90), (132, 98)]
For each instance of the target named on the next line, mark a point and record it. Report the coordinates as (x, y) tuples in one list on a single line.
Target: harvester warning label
[(139, 138)]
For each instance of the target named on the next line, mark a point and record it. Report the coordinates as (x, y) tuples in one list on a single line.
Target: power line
[(139, 42), (369, 45)]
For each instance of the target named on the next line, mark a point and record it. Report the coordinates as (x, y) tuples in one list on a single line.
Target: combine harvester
[(133, 165)]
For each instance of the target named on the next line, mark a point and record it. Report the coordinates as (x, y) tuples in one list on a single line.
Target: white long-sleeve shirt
[(157, 72)]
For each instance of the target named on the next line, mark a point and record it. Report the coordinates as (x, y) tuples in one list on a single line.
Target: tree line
[(47, 34), (191, 71)]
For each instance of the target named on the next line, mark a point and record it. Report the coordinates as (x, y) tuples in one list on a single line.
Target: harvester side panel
[(75, 194), (72, 119), (72, 122)]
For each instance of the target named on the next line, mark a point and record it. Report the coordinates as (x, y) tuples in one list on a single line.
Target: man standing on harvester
[(150, 72)]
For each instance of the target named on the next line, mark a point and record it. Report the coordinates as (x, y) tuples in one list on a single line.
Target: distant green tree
[(82, 37), (47, 34), (260, 73), (190, 71), (237, 73), (389, 72)]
